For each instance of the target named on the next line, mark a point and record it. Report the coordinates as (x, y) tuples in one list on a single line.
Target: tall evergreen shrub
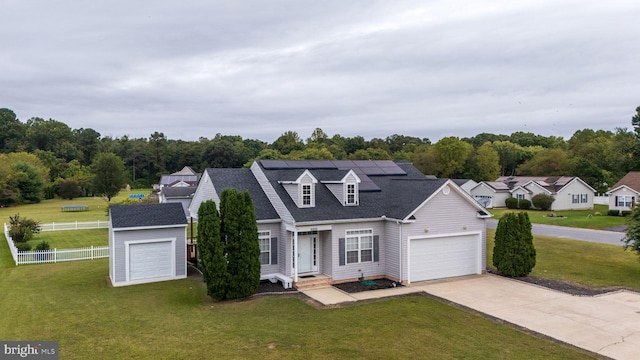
[(212, 249), (514, 254), (243, 250)]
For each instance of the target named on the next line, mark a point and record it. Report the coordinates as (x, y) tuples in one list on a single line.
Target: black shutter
[(376, 248), (274, 251), (616, 201), (341, 251)]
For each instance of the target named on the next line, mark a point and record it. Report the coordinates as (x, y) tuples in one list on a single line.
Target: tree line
[(43, 154)]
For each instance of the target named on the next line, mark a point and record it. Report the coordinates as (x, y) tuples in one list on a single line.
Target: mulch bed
[(358, 286), (568, 287), (267, 286), (564, 286)]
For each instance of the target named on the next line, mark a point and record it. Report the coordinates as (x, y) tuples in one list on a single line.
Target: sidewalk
[(608, 324)]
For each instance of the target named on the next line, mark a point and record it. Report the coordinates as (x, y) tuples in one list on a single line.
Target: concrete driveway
[(607, 324)]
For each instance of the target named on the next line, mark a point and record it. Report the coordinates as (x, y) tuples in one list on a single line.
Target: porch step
[(316, 282)]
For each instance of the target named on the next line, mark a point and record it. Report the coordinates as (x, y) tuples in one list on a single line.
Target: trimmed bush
[(512, 203), (613, 212), (43, 246), (23, 246), (524, 204), (626, 212), (542, 201)]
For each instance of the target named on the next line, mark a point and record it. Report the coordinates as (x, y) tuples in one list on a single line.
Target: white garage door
[(149, 260), (443, 257)]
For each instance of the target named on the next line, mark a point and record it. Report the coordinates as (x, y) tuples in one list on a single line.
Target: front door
[(307, 254)]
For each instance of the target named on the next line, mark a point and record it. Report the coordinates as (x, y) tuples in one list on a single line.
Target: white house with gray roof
[(341, 220), (569, 192)]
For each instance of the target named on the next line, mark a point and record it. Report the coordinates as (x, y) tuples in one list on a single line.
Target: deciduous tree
[(108, 171)]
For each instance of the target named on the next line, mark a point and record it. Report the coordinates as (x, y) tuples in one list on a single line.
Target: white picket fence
[(75, 226), (55, 255)]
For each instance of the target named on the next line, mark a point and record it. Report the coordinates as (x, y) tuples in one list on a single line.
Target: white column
[(295, 254)]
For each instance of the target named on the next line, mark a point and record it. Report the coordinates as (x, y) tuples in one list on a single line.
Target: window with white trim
[(575, 198), (351, 194), (520, 196), (306, 195), (359, 246), (264, 238), (625, 201), (584, 198)]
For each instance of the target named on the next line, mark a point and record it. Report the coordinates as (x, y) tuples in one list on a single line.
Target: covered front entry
[(308, 254), (443, 256)]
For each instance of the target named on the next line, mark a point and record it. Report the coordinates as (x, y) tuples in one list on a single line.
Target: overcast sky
[(373, 68)]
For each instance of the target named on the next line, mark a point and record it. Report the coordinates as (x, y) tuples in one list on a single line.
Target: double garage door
[(150, 260), (444, 256)]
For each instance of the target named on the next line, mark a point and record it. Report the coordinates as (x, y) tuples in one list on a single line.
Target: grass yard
[(49, 211), (73, 304), (72, 239), (587, 263), (572, 218)]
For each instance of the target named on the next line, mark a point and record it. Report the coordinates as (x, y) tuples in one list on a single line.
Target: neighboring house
[(625, 193), (178, 187), (465, 184), (180, 194), (183, 178), (147, 243), (347, 219), (569, 192)]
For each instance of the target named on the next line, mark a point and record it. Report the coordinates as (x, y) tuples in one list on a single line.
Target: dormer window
[(306, 195), (351, 194)]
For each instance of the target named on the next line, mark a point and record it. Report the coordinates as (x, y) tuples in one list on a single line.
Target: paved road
[(599, 236)]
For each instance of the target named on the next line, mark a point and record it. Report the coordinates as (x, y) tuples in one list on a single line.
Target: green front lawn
[(49, 211), (587, 263), (72, 303), (588, 219)]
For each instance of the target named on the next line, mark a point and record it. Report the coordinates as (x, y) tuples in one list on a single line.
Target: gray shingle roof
[(243, 180), (401, 188), (146, 215), (181, 191)]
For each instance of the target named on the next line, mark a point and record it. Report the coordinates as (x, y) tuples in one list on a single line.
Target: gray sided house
[(147, 243), (346, 219), (179, 194)]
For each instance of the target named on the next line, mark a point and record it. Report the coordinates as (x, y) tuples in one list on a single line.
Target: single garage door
[(443, 257), (149, 260)]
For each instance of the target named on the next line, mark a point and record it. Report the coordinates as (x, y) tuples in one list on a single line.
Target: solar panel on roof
[(374, 171), (298, 164), (344, 164), (322, 164), (393, 171), (274, 164)]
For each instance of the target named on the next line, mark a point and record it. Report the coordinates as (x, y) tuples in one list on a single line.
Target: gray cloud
[(260, 68)]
